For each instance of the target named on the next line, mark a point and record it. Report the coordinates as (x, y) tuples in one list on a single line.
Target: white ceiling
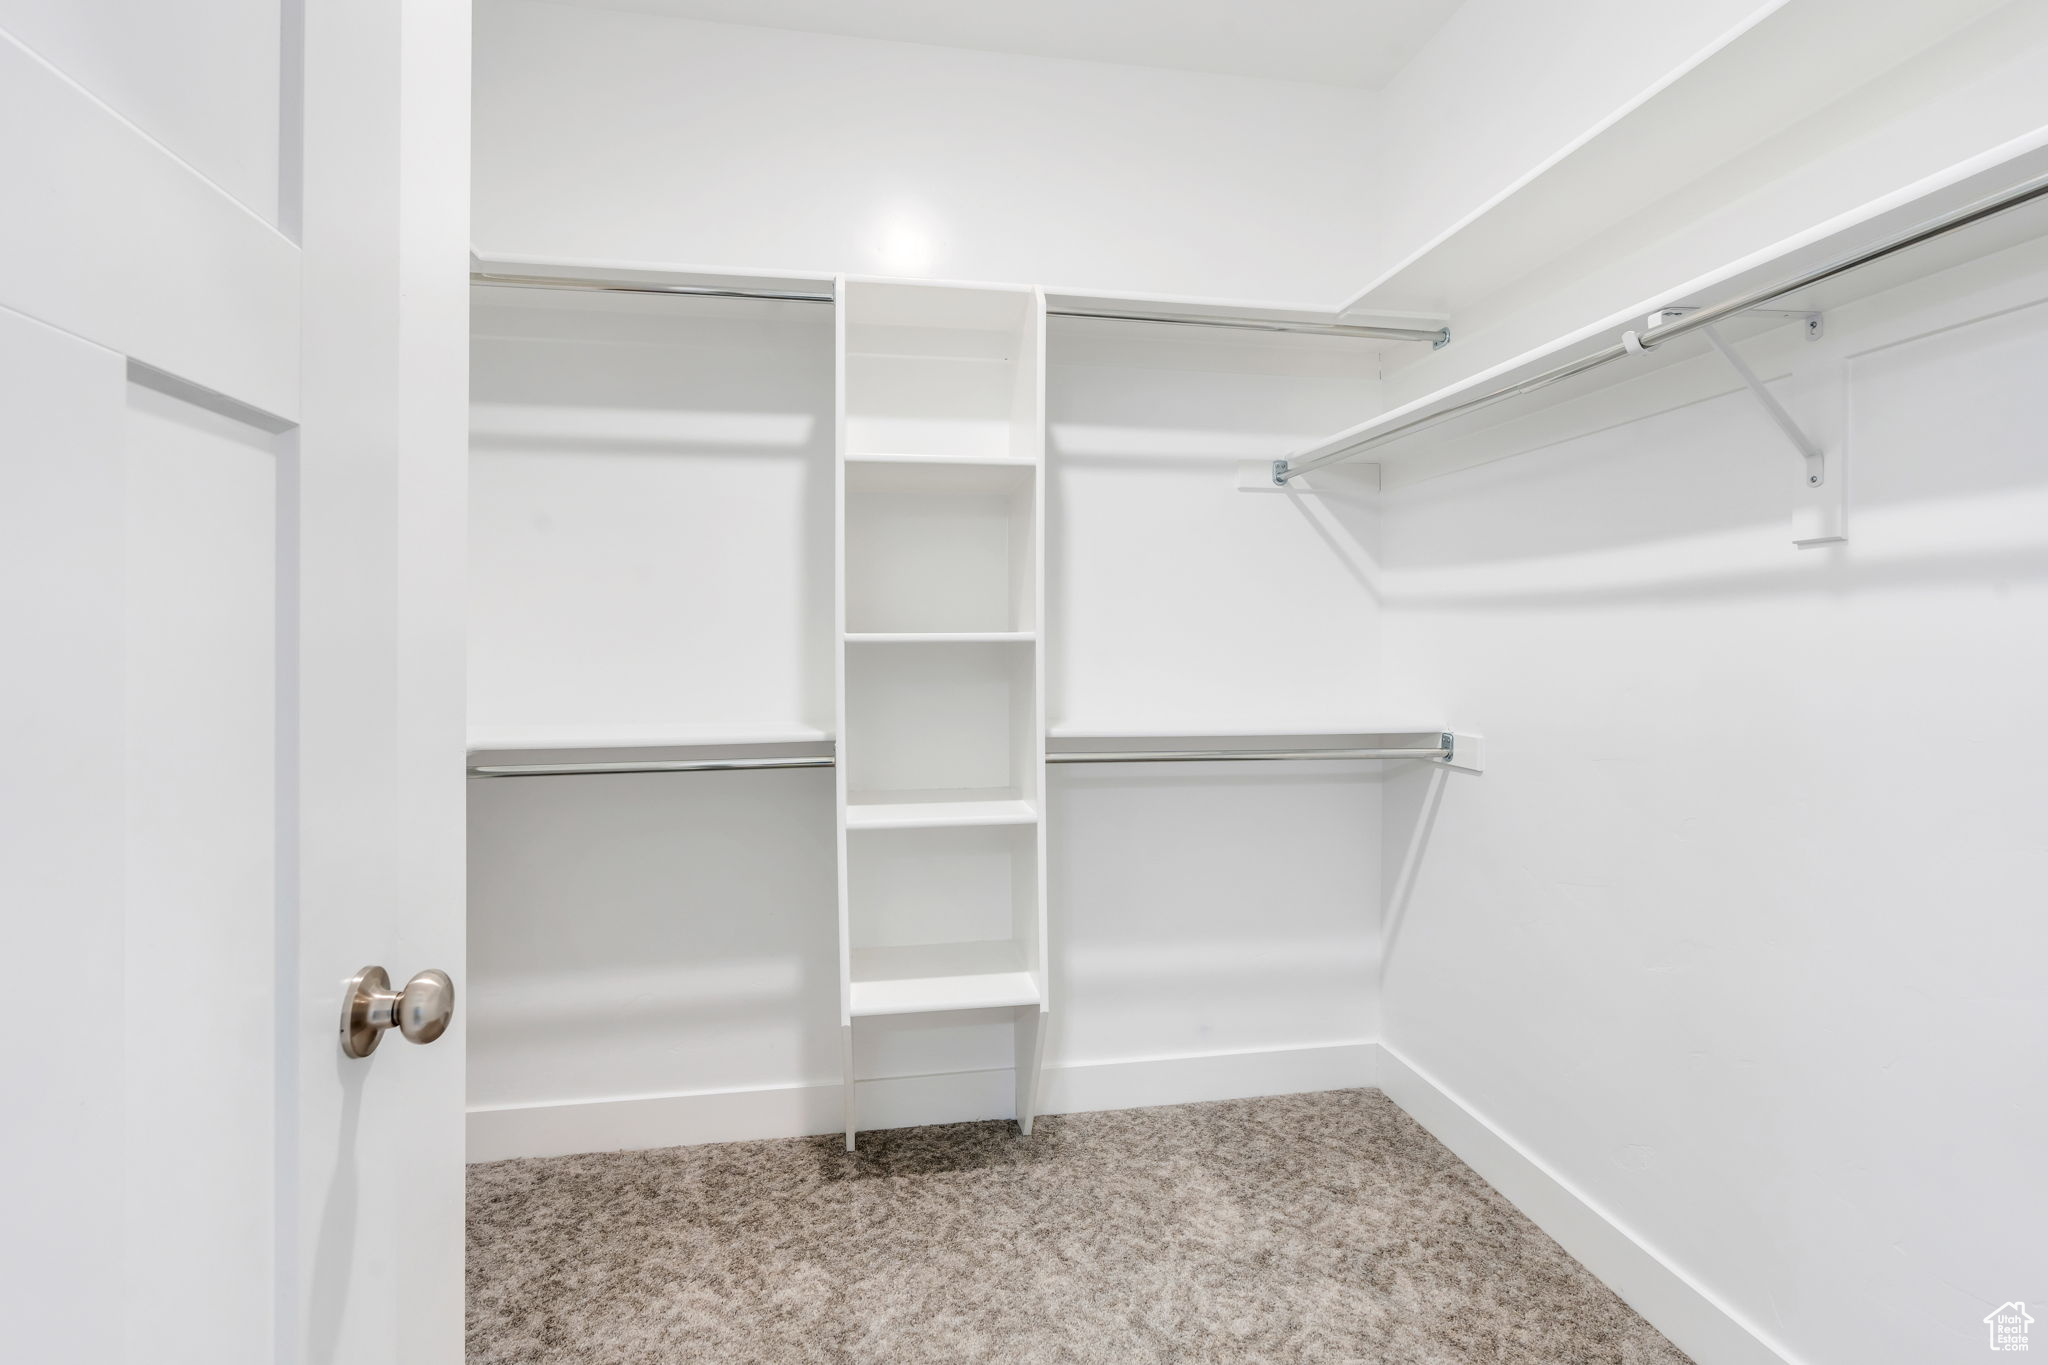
[(1336, 42)]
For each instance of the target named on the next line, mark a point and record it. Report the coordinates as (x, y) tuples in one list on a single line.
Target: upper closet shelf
[(551, 738), (1781, 64), (1396, 438), (1372, 329), (1347, 730), (519, 271), (1369, 330)]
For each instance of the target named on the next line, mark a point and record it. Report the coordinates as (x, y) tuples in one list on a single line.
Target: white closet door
[(234, 768)]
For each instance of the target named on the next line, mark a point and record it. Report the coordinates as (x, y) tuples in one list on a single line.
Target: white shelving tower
[(941, 659)]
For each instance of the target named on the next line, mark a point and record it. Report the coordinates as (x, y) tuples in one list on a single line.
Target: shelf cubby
[(938, 718), (939, 372), (942, 918), (941, 548)]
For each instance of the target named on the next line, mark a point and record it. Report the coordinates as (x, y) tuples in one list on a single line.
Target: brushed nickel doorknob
[(369, 1006)]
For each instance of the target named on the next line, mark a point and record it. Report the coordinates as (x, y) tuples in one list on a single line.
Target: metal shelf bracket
[(1820, 518), (1809, 449)]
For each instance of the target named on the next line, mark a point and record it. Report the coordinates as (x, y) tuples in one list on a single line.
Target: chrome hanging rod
[(702, 765), (676, 765), (1239, 755), (1634, 343), (640, 287), (1434, 335)]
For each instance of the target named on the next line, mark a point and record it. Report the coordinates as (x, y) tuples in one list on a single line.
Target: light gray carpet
[(1317, 1229)]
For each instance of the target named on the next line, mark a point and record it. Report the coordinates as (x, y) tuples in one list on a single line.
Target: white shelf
[(1058, 297), (1965, 183), (536, 738), (934, 810), (653, 273), (1003, 461), (1778, 66), (933, 978), (1102, 301), (1238, 731), (941, 637)]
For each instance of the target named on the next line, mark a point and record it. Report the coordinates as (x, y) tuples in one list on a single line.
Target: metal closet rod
[(1236, 755), (705, 765), (1633, 343), (1434, 335), (676, 765)]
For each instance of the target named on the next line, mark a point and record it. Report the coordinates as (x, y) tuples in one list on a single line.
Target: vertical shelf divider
[(1031, 1023), (939, 670), (839, 691)]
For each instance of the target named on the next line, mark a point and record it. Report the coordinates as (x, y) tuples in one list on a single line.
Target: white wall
[(650, 551), (651, 541), (1205, 908), (625, 136), (1735, 933), (1178, 600), (651, 504)]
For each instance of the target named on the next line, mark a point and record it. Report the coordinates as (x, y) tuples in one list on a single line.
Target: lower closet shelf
[(930, 978)]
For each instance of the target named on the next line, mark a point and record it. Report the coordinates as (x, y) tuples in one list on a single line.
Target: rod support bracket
[(1811, 453), (1443, 339), (1812, 320), (1463, 752), (1280, 473)]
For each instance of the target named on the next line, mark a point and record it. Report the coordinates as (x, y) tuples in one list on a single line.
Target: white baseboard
[(1696, 1322), (640, 1121)]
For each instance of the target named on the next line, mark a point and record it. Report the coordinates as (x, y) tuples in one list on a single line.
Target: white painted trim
[(1141, 1082), (641, 1121), (1697, 1322)]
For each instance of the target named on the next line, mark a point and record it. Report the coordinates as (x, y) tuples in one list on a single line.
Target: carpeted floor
[(1318, 1229)]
